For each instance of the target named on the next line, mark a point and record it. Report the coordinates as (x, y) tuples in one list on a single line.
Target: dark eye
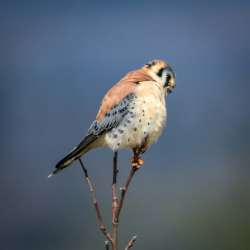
[(160, 72), (168, 77)]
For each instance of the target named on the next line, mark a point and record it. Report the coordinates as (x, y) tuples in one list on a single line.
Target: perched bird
[(132, 114)]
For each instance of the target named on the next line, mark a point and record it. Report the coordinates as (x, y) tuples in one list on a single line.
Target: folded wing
[(114, 108)]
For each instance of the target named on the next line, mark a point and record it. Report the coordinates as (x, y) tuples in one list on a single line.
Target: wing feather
[(111, 120), (114, 108), (124, 87)]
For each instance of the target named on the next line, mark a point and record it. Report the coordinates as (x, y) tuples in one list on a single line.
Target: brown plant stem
[(102, 226), (106, 245), (131, 242), (114, 203), (124, 191), (117, 204)]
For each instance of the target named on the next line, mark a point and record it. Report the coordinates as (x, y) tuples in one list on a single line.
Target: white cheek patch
[(164, 77)]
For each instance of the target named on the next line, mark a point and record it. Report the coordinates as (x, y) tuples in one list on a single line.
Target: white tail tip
[(50, 175)]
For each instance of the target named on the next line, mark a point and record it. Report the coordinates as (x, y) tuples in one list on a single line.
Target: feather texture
[(134, 108), (125, 86), (111, 120)]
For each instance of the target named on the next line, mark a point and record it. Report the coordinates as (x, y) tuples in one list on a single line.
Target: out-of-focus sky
[(58, 58)]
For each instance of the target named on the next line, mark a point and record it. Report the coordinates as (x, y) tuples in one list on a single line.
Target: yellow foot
[(137, 162)]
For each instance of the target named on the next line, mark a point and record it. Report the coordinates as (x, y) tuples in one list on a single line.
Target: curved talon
[(137, 162)]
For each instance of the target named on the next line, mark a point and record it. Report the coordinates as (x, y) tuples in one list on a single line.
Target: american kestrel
[(132, 114)]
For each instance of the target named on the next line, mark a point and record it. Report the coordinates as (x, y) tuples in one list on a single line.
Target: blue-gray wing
[(111, 120), (113, 117)]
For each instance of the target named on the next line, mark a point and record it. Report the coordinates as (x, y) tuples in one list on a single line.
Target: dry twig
[(131, 242), (114, 203), (117, 204), (95, 203), (124, 191), (106, 245)]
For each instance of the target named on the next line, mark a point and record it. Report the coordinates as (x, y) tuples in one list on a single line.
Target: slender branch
[(131, 242), (106, 245), (96, 205), (117, 204), (114, 193), (114, 203), (124, 191)]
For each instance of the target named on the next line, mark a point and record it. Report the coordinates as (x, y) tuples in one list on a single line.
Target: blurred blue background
[(58, 58)]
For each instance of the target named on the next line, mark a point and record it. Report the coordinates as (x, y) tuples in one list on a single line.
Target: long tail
[(75, 154)]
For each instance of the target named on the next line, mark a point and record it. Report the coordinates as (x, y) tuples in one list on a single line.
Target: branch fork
[(117, 203)]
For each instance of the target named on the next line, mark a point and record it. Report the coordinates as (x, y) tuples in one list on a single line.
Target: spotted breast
[(144, 120)]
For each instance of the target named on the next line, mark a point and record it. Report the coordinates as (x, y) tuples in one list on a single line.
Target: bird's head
[(163, 72)]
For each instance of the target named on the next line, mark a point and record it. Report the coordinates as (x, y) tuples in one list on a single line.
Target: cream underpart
[(146, 118)]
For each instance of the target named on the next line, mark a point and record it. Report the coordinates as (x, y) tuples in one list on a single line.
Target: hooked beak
[(170, 85), (170, 81)]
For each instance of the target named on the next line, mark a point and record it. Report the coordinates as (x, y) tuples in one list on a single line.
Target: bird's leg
[(144, 145), (136, 160)]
